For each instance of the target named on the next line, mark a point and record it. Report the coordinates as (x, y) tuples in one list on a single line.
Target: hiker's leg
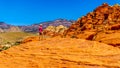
[(39, 36)]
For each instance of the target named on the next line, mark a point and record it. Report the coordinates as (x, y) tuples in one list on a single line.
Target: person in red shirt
[(40, 32)]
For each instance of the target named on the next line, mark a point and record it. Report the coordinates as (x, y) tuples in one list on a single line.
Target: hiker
[(40, 32)]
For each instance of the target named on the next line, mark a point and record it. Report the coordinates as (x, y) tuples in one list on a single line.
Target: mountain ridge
[(34, 27)]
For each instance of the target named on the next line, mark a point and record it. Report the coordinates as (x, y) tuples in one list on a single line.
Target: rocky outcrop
[(54, 31), (60, 29), (30, 39), (99, 24), (51, 28)]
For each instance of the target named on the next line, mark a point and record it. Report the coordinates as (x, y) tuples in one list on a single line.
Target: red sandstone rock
[(102, 20)]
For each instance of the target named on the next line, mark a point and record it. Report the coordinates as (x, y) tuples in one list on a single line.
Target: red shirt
[(40, 28)]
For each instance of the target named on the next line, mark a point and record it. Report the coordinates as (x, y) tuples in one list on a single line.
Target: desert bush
[(17, 43), (4, 48)]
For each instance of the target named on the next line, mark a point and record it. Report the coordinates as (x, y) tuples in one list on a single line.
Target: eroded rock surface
[(61, 53)]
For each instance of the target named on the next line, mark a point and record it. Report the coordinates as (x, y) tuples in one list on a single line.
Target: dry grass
[(13, 36)]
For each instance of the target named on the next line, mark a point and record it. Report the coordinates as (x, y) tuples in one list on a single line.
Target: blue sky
[(26, 12)]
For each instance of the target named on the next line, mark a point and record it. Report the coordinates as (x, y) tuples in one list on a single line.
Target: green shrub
[(17, 43), (4, 48)]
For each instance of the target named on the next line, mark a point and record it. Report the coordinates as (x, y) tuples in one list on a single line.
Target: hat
[(40, 24)]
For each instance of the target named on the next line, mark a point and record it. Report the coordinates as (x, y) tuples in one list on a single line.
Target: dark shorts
[(40, 33)]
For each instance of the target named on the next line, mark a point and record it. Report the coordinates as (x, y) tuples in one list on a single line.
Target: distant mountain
[(57, 22), (34, 28), (4, 25), (14, 29)]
